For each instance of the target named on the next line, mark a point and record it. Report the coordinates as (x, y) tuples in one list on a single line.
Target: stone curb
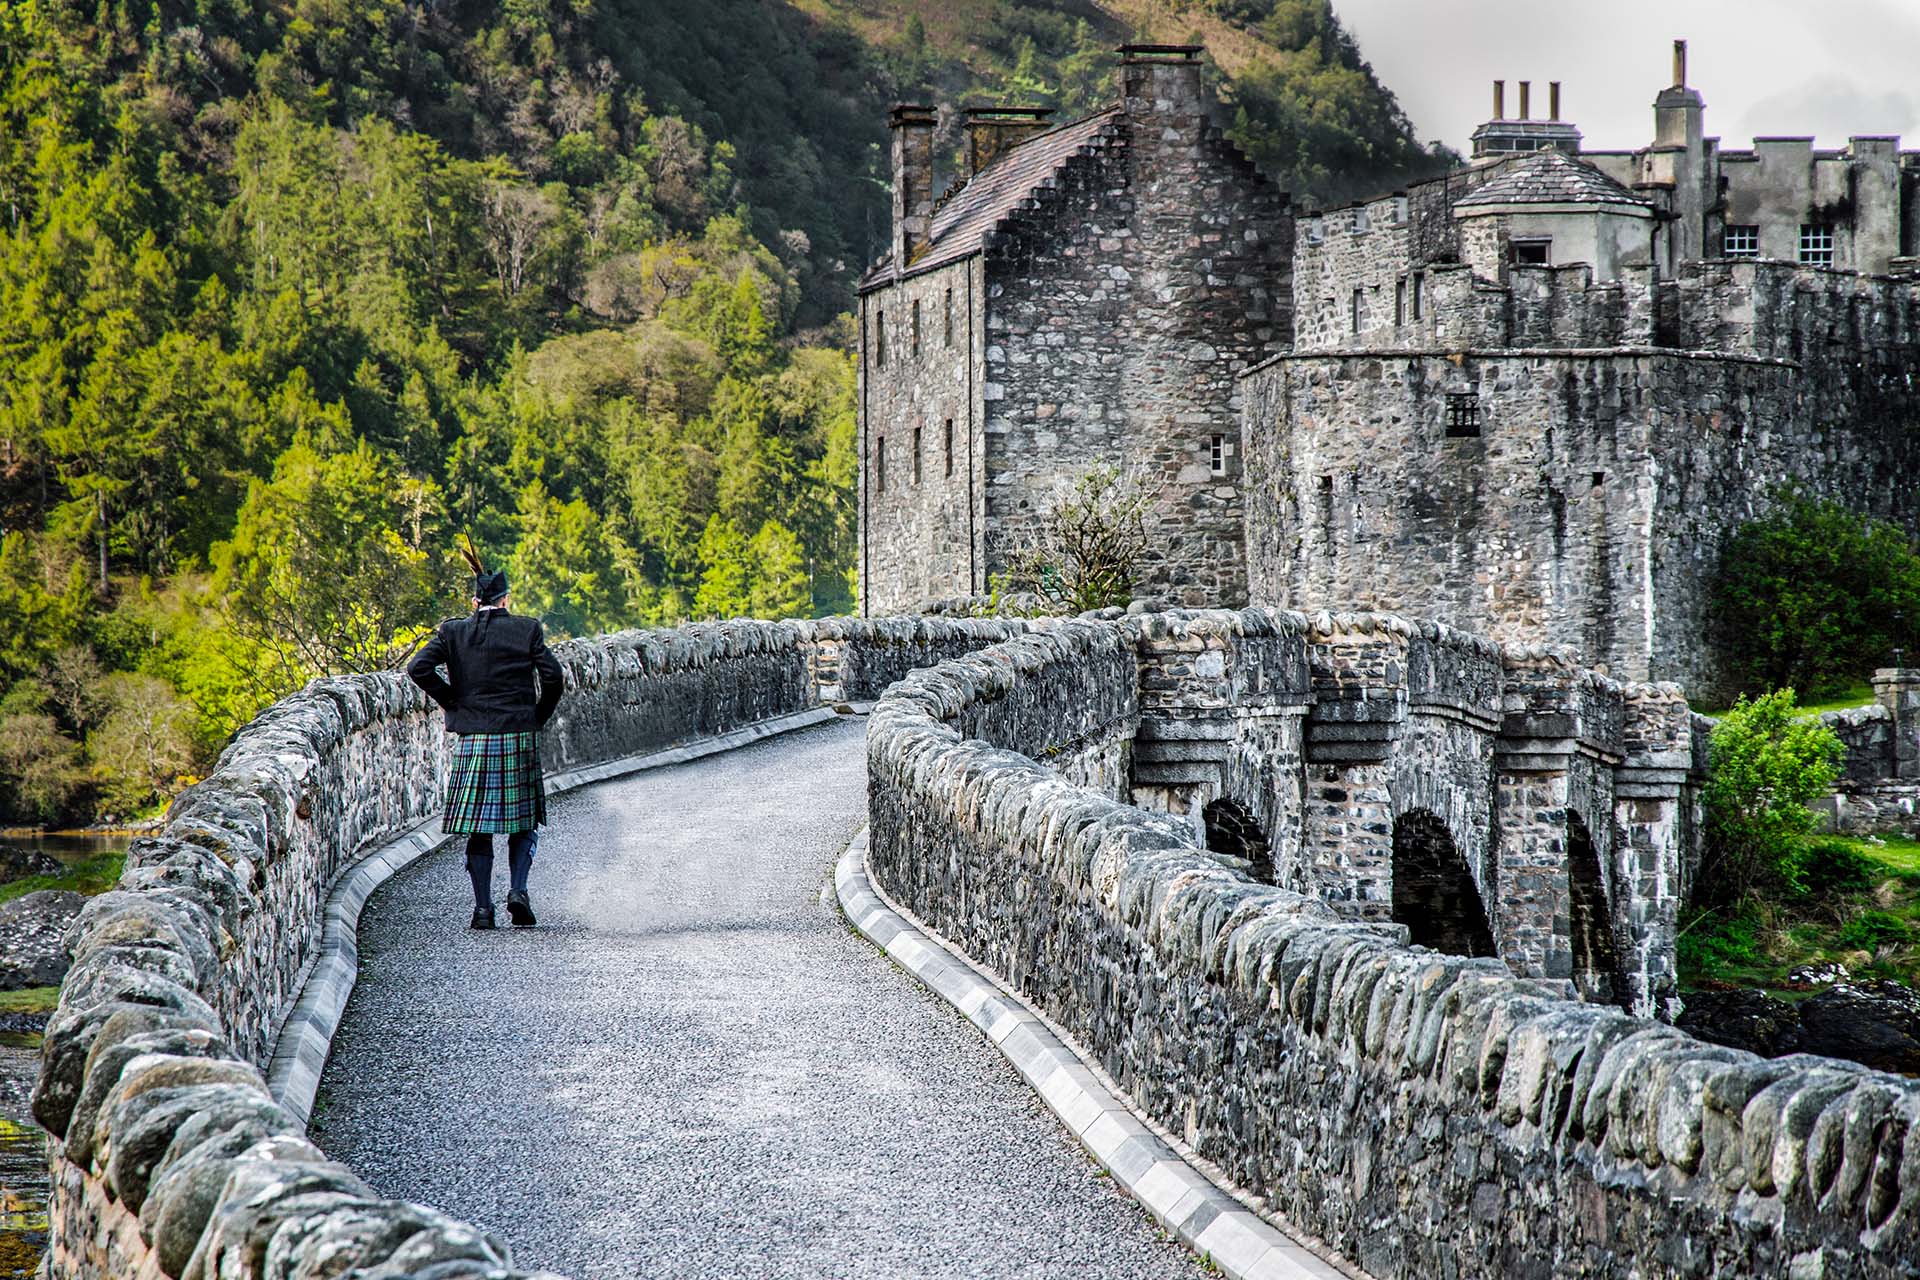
[(306, 1036), (1236, 1240)]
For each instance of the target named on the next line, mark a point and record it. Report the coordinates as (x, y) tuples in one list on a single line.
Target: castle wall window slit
[(949, 446), (916, 455), (880, 339), (1419, 292), (948, 318), (880, 464), (916, 326), (1463, 414)]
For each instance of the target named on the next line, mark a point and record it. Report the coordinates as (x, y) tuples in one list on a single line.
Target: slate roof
[(964, 218), (1550, 177)]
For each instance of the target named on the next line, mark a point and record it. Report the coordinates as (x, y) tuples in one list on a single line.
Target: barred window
[(1816, 244), (1740, 240), (1463, 413)]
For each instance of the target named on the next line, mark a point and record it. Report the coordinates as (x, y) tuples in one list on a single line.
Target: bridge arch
[(1434, 893), (1596, 960), (1232, 829)]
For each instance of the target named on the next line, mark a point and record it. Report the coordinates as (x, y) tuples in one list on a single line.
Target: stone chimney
[(993, 130), (1161, 83), (912, 180), (1679, 112)]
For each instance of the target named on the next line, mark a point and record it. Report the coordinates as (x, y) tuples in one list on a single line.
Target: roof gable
[(1550, 177)]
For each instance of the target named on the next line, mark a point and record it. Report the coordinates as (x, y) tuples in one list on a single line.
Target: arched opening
[(1233, 831), (1433, 891), (1596, 963)]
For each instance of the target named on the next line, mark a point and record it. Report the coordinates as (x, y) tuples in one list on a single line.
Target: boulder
[(1874, 1023), (1749, 1019), (33, 952), (17, 863)]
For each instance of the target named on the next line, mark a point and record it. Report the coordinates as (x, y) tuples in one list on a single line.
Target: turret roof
[(1549, 177)]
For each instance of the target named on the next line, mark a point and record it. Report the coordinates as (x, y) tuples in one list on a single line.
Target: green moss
[(93, 875)]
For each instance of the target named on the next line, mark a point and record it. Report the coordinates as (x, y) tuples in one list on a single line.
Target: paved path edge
[(305, 1035), (1211, 1220)]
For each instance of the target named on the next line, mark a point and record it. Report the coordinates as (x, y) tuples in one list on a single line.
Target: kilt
[(496, 785)]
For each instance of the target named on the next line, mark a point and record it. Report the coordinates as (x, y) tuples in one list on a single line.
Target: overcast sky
[(1832, 68)]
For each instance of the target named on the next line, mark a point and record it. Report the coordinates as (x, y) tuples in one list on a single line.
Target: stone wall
[(1879, 786), (170, 1159), (1587, 502), (1424, 1114), (921, 458)]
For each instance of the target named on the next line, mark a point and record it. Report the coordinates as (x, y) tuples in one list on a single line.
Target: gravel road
[(693, 1068)]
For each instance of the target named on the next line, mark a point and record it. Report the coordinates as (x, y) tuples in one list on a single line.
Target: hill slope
[(292, 291)]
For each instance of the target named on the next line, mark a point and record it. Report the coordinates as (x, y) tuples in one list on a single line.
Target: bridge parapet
[(170, 1157), (1425, 1114)]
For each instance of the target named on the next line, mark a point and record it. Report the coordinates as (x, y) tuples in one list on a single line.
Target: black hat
[(488, 587)]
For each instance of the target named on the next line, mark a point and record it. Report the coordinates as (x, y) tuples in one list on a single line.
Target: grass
[(89, 876), (1858, 694), (1861, 909), (30, 1000)]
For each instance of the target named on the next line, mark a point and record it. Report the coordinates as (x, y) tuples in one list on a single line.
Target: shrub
[(1871, 930), (1813, 596), (1765, 763), (1087, 548), (1831, 867)]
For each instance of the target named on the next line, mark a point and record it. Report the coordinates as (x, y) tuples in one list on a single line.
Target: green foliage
[(93, 875), (1766, 765), (1873, 929), (1832, 868), (1813, 596), (1085, 550)]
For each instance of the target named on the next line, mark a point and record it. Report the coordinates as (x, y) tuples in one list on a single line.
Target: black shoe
[(520, 909), (482, 918)]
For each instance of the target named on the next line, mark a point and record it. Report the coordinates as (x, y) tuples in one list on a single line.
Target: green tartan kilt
[(496, 784)]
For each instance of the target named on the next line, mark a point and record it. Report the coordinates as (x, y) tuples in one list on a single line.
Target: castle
[(1531, 397)]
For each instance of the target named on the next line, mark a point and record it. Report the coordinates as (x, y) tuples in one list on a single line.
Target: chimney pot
[(1499, 99), (1553, 100), (1526, 99)]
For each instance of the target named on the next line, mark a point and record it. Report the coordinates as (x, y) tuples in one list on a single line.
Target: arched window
[(1433, 891)]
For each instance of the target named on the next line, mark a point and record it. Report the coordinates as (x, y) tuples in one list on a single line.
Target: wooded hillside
[(293, 290)]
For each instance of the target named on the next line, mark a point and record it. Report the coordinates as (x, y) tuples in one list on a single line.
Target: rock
[(1823, 974), (1749, 1019), (33, 952), (1875, 1023), (17, 864)]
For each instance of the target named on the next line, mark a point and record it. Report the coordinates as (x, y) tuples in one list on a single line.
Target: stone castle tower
[(1083, 294)]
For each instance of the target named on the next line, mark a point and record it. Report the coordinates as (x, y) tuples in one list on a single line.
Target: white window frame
[(1816, 244), (1740, 240)]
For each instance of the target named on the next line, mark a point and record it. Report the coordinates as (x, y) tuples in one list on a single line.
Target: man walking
[(493, 702)]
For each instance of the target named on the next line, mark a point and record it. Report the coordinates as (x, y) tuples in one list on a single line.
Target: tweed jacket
[(492, 660)]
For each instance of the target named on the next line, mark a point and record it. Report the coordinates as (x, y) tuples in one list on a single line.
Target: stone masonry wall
[(919, 409), (1424, 1114), (170, 1159), (1121, 305), (1588, 511)]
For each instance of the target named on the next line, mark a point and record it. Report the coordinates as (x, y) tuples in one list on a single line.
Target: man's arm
[(421, 670), (552, 681)]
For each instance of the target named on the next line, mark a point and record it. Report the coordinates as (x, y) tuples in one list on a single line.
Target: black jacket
[(491, 659)]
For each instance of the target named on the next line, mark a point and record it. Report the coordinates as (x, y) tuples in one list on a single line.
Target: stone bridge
[(1251, 868)]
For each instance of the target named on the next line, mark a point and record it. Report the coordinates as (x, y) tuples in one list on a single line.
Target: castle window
[(1217, 455), (1463, 413), (879, 464), (1532, 253), (1359, 308), (916, 455), (949, 446), (949, 318), (916, 326), (1316, 229), (1740, 241), (1400, 300), (1599, 479), (1816, 244), (1419, 293), (1400, 211), (1362, 222), (880, 339)]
